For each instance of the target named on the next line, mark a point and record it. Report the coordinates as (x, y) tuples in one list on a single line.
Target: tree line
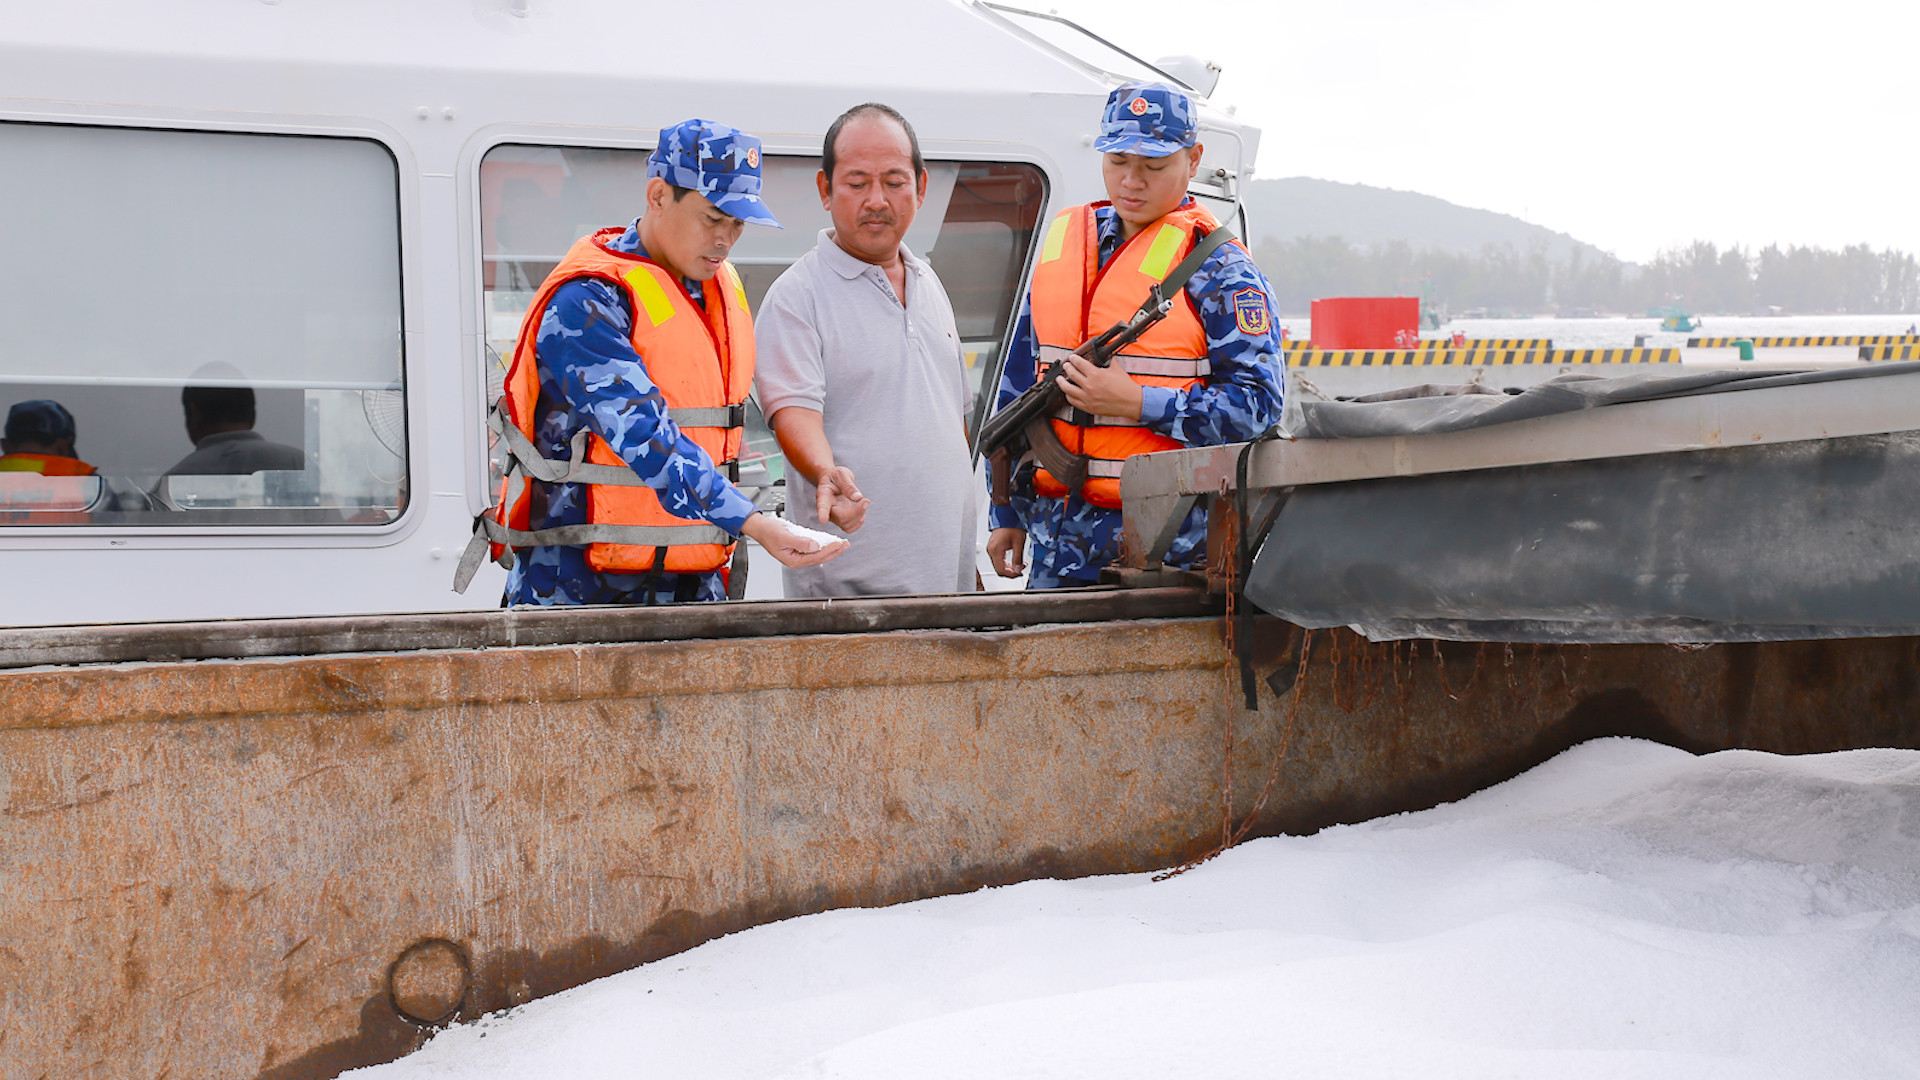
[(1700, 278)]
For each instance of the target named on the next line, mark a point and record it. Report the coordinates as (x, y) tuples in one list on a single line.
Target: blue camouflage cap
[(717, 161), (40, 421), (1151, 119)]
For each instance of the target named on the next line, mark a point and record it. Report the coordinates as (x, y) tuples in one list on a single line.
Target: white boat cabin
[(337, 213)]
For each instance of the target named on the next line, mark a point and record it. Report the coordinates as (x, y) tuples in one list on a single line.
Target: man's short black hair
[(220, 404), (680, 192), (871, 108)]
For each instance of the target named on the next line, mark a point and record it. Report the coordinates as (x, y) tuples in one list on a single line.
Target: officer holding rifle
[(1198, 366)]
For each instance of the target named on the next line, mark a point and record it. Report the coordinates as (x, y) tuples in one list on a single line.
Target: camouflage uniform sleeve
[(1241, 398), (1016, 376), (585, 342)]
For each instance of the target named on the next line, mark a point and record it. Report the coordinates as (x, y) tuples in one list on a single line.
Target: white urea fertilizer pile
[(1625, 910)]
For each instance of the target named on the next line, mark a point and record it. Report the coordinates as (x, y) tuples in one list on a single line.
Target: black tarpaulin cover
[(1777, 542)]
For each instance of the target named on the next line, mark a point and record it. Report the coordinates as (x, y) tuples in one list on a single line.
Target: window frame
[(484, 141), (406, 174)]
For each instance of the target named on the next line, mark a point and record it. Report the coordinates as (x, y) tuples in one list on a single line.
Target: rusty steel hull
[(287, 867)]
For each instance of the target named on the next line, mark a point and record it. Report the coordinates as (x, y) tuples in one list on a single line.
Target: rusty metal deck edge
[(341, 684), (233, 639)]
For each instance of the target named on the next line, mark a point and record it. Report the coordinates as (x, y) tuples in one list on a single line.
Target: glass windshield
[(976, 228), (203, 328), (1069, 37)]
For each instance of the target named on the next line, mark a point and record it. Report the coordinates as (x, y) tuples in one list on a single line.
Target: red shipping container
[(1366, 322)]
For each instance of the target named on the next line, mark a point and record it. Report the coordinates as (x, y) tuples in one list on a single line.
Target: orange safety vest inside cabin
[(45, 465), (700, 359), (58, 494), (1074, 298)]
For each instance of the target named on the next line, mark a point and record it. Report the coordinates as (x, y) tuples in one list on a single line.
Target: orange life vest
[(1074, 298), (46, 489), (45, 465), (702, 361)]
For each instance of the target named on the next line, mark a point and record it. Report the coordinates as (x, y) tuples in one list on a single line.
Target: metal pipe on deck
[(522, 627)]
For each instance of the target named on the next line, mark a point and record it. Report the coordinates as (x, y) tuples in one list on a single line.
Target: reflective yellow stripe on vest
[(653, 298), (739, 286), (1158, 261), (1056, 241)]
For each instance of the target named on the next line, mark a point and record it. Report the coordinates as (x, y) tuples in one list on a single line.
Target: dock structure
[(1890, 352), (1502, 352), (1476, 356), (1528, 344), (1803, 342)]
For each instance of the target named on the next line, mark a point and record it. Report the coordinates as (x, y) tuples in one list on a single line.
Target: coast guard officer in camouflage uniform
[(638, 323), (1210, 373)]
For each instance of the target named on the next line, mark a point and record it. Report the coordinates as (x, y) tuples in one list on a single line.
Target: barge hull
[(286, 867)]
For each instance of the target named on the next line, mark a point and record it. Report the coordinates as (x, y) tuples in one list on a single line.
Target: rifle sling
[(1176, 279)]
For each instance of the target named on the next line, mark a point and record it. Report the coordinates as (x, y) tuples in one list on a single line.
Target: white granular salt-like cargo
[(1624, 910), (817, 538)]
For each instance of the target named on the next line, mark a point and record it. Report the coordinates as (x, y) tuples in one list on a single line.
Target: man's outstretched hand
[(838, 500), (791, 544)]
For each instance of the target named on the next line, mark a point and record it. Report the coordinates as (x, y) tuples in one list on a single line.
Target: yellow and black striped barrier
[(1361, 357), (1414, 357), (1890, 352), (1491, 343), (1482, 355), (1475, 357), (1440, 344), (1615, 356), (1803, 342)]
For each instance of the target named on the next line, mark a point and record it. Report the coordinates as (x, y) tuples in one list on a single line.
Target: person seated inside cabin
[(39, 439), (220, 422)]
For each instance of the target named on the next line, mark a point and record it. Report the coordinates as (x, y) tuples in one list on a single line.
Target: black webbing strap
[(1176, 278), (658, 568)]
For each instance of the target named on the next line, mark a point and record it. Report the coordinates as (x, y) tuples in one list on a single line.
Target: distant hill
[(1317, 238), (1369, 217)]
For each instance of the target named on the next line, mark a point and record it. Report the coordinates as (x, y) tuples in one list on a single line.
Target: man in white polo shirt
[(860, 373)]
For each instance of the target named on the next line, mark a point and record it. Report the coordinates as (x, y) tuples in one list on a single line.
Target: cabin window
[(976, 228), (219, 314)]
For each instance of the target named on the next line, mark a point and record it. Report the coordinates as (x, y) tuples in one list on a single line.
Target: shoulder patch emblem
[(1250, 311)]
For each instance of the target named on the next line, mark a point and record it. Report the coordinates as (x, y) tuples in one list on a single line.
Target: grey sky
[(1634, 125)]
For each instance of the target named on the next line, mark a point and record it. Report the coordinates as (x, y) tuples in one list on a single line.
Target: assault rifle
[(1026, 424)]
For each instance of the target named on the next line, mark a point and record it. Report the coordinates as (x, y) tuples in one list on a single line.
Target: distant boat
[(1675, 320)]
